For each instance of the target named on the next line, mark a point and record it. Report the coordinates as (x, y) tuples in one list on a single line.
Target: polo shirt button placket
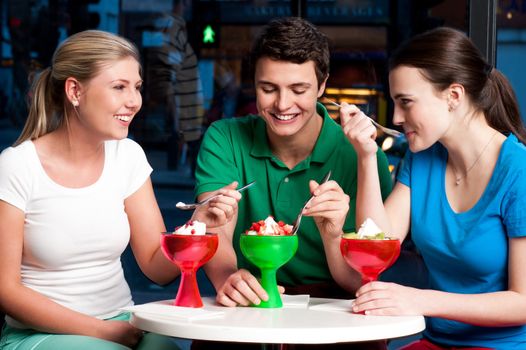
[(284, 192)]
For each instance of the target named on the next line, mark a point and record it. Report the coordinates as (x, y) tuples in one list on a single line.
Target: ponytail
[(81, 56), (446, 56), (44, 110), (499, 103)]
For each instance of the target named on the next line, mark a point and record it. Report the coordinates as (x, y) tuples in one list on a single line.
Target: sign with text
[(317, 11)]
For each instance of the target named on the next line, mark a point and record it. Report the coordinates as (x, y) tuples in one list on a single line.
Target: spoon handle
[(385, 129), (241, 189), (324, 180), (192, 206), (300, 215), (246, 186)]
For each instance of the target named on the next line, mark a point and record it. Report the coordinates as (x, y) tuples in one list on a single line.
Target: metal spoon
[(300, 215), (192, 206), (386, 130)]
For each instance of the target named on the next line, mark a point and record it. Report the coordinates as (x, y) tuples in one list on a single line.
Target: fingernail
[(257, 302)]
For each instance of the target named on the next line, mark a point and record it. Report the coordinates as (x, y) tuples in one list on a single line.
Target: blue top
[(467, 252)]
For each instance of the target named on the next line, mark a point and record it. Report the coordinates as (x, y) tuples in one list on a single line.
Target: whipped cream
[(369, 229), (269, 227), (195, 228)]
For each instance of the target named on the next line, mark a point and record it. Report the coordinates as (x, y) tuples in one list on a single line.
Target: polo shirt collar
[(260, 145), (328, 138), (323, 148)]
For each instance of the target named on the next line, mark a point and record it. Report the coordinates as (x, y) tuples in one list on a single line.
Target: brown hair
[(81, 56), (295, 40), (446, 56)]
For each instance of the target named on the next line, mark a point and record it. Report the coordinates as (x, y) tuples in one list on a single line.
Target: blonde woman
[(74, 191)]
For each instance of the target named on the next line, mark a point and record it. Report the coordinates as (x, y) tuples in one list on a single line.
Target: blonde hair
[(81, 56)]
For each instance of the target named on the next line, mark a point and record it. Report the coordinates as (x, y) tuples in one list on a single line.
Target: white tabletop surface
[(318, 322)]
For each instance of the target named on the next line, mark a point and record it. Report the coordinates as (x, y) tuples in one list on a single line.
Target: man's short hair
[(295, 40)]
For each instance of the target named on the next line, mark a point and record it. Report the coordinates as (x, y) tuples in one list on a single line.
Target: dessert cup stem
[(270, 284), (188, 293), (367, 279)]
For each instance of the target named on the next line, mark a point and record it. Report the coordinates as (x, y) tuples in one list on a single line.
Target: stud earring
[(75, 103)]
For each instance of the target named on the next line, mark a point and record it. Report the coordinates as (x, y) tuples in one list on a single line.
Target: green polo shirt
[(237, 149)]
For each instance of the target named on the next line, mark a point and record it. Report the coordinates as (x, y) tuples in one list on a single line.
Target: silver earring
[(75, 103)]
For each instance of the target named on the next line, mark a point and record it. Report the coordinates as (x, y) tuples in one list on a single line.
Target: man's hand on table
[(242, 288)]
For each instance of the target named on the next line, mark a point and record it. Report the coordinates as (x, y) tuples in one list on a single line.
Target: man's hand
[(329, 208), (241, 288)]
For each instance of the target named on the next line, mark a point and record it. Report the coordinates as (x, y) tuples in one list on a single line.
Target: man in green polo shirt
[(286, 149)]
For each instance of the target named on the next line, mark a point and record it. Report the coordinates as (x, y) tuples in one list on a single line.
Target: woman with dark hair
[(461, 192)]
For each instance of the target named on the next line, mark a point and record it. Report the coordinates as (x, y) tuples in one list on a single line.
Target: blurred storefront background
[(362, 34), (220, 32)]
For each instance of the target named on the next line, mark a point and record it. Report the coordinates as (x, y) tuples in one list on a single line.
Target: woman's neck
[(70, 160), (467, 140), (74, 146), (473, 150)]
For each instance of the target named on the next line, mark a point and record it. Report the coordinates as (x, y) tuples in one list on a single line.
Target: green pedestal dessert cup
[(269, 253)]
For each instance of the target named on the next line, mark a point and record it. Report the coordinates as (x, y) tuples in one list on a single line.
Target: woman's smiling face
[(418, 107), (110, 100)]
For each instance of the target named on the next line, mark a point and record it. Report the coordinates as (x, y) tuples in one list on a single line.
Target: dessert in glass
[(369, 251), (269, 245), (189, 247)]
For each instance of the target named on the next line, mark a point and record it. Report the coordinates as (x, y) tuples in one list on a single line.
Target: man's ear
[(72, 89), (321, 89)]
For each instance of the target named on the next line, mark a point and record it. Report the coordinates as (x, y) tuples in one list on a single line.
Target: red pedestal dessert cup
[(370, 257), (188, 252)]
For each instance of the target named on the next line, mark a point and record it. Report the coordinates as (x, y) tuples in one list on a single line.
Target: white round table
[(314, 324)]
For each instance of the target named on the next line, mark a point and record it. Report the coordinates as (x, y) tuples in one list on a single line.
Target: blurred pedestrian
[(175, 80)]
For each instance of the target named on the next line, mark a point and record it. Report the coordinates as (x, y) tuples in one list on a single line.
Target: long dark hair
[(446, 56)]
